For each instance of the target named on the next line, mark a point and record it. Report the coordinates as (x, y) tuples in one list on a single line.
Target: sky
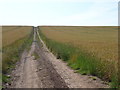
[(59, 12)]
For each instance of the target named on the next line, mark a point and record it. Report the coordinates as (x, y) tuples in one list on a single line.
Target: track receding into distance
[(45, 71)]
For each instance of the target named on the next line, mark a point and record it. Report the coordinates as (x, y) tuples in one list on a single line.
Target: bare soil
[(46, 71)]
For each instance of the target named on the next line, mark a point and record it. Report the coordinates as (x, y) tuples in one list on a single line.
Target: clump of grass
[(5, 78), (82, 61), (35, 55)]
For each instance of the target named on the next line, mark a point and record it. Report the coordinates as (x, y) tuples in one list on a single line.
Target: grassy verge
[(0, 80), (83, 62), (11, 54)]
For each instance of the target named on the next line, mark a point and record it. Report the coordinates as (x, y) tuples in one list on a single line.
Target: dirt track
[(46, 71)]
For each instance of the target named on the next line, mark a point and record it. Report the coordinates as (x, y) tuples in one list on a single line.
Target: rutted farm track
[(46, 71)]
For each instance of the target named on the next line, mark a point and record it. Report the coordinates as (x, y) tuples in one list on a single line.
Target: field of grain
[(100, 41), (89, 50), (12, 33)]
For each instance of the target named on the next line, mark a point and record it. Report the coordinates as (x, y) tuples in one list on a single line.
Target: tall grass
[(11, 54), (82, 61)]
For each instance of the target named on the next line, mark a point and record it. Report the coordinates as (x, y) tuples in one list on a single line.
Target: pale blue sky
[(59, 12)]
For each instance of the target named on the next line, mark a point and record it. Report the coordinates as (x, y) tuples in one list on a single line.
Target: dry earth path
[(39, 68)]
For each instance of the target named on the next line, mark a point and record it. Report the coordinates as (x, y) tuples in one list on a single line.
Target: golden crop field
[(100, 41), (12, 33)]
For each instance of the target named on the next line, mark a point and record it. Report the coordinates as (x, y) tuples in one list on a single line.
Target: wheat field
[(99, 41), (12, 33)]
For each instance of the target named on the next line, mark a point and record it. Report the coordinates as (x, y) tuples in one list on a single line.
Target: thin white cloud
[(59, 0), (97, 14)]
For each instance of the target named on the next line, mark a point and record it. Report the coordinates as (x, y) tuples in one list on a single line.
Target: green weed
[(35, 55)]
